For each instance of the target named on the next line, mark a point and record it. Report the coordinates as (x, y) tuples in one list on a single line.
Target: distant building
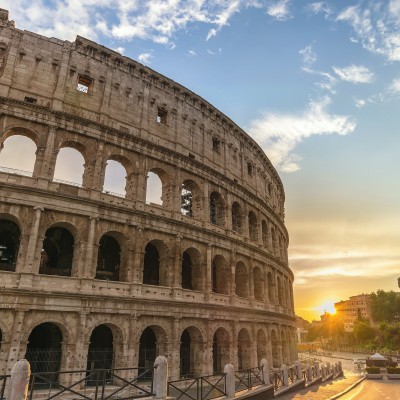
[(351, 309)]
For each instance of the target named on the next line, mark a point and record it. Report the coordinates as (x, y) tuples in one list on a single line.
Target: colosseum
[(90, 278)]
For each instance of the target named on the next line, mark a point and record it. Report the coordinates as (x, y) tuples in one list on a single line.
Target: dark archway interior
[(101, 351), (9, 244), (108, 259), (44, 349), (185, 354), (151, 269), (57, 253), (147, 351), (186, 271)]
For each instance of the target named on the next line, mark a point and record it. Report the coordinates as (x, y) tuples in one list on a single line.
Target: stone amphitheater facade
[(202, 278)]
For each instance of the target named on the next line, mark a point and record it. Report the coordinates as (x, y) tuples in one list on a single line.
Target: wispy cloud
[(376, 26), (279, 134), (279, 10), (354, 74), (308, 56), (145, 58), (394, 87), (319, 7)]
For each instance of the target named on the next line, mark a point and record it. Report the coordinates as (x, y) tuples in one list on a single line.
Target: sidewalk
[(326, 390)]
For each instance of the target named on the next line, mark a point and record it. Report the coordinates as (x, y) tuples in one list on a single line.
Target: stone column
[(233, 276), (161, 378), (90, 267), (175, 350), (130, 192), (138, 257), (206, 204), (234, 346), (176, 279), (265, 371), (19, 381), (16, 352), (209, 272), (230, 381)]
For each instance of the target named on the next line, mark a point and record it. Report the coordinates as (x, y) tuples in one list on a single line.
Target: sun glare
[(328, 306)]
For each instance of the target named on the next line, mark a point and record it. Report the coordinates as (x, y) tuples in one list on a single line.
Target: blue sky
[(317, 84)]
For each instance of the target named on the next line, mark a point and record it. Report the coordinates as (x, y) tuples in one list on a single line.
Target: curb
[(336, 396)]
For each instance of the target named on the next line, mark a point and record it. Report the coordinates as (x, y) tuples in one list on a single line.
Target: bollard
[(308, 372), (298, 369), (328, 368), (230, 381), (19, 381), (340, 366), (285, 376), (161, 377), (265, 371), (323, 371), (317, 370)]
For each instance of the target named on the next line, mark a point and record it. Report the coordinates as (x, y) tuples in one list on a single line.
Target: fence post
[(265, 371), (230, 381), (309, 372), (161, 377), (285, 377), (340, 366), (19, 381), (298, 369), (328, 368), (317, 370)]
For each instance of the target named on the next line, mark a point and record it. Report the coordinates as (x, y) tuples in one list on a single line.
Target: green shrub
[(393, 370), (373, 370)]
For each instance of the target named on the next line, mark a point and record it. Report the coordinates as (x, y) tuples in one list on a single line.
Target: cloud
[(376, 27), (354, 74), (145, 58), (192, 53), (279, 134), (319, 8), (360, 103), (308, 56), (279, 10), (394, 87)]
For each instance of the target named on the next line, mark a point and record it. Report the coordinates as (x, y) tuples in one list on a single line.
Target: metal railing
[(293, 375), (199, 388), (7, 267), (276, 378), (3, 382), (96, 384), (15, 171), (114, 194), (248, 378), (67, 182)]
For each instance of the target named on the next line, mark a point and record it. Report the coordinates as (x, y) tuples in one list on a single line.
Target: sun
[(327, 306)]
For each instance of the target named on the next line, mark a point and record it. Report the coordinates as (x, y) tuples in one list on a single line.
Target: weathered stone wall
[(146, 122)]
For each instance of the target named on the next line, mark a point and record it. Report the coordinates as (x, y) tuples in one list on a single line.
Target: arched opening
[(192, 271), (101, 350), (261, 346), (221, 350), (220, 275), (270, 287), (147, 351), (115, 178), (154, 189), (18, 155), (244, 350), (69, 167), (264, 229), (285, 348), (186, 200), (191, 352), (108, 259), (57, 252), (237, 217), (253, 227), (9, 244), (216, 209), (43, 352), (186, 271), (241, 280), (151, 267), (275, 351), (258, 284)]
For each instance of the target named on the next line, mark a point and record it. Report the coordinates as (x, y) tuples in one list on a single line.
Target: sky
[(316, 84)]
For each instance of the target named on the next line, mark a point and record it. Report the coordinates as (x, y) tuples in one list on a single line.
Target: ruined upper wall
[(125, 95)]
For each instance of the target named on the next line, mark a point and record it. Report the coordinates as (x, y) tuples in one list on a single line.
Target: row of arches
[(47, 342), (118, 176), (57, 258)]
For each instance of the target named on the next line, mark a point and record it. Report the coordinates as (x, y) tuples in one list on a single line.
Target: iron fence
[(293, 375), (10, 267), (199, 388), (96, 384), (276, 378), (248, 378), (3, 383)]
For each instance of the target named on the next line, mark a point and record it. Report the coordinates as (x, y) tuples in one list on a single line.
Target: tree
[(363, 332), (385, 306)]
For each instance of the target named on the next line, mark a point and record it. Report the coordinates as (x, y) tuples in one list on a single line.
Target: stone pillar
[(138, 258), (90, 267), (230, 381), (160, 378), (206, 204), (265, 371), (285, 375), (234, 348), (233, 276), (130, 192), (308, 372), (176, 279), (298, 369), (19, 381), (317, 370), (209, 272), (175, 350), (46, 156), (32, 245), (16, 352), (228, 211)]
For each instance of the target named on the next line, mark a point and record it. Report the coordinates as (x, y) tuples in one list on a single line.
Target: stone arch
[(217, 209), (101, 348), (191, 199), (10, 237), (241, 280), (221, 349), (253, 226), (19, 130), (57, 254), (258, 282), (155, 263), (158, 187), (192, 270), (152, 343), (109, 256), (191, 352), (220, 275), (261, 346), (244, 349), (237, 217)]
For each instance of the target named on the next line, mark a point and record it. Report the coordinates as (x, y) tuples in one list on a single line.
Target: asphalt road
[(371, 389)]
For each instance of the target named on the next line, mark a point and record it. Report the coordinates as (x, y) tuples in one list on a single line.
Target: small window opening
[(250, 169), (186, 201), (216, 145), (30, 100), (161, 116), (84, 84)]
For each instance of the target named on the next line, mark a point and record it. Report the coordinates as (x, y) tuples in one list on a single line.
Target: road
[(373, 389)]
